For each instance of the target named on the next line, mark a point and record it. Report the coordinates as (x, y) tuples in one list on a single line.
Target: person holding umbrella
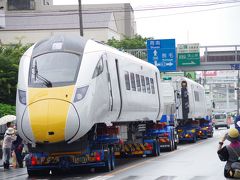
[(9, 137)]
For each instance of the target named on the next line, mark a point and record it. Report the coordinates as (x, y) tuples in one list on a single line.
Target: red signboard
[(209, 73)]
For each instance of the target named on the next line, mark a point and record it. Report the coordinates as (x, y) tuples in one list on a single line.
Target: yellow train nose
[(51, 115), (48, 120)]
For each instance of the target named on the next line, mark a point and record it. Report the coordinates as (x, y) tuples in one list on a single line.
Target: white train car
[(168, 98), (191, 103), (66, 85)]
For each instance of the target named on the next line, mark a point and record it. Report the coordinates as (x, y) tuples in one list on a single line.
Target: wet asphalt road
[(197, 161)]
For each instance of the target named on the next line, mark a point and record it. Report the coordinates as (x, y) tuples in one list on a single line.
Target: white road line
[(101, 177)]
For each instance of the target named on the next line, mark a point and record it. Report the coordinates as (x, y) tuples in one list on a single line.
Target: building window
[(127, 81), (148, 85), (152, 85), (138, 82), (21, 5), (132, 76), (143, 84)]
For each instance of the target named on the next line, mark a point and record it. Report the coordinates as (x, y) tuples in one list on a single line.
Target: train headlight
[(80, 93), (22, 96)]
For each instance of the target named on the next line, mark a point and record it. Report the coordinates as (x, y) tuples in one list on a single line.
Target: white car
[(221, 120)]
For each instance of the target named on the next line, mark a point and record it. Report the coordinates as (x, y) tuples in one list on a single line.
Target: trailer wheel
[(107, 161), (211, 135), (194, 139), (43, 172)]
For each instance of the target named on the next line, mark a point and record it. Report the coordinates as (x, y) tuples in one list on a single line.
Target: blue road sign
[(235, 66), (162, 53)]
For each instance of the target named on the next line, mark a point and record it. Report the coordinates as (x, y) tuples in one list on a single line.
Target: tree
[(138, 42), (9, 59)]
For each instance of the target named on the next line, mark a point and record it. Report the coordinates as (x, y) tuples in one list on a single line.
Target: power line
[(73, 12), (146, 17)]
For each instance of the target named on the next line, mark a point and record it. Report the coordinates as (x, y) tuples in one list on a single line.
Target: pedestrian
[(9, 124), (9, 137), (237, 122), (17, 147), (230, 153)]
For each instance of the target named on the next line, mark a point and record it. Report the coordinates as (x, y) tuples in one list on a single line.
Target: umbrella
[(6, 119)]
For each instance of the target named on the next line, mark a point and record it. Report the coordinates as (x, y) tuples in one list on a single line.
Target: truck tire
[(175, 145), (112, 159), (170, 146), (194, 139), (107, 161)]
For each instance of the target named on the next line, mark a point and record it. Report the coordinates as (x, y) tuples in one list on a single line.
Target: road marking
[(150, 160), (101, 177)]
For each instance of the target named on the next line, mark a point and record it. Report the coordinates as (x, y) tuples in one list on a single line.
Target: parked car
[(221, 120)]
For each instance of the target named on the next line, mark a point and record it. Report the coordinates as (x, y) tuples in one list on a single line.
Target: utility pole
[(80, 17), (238, 83)]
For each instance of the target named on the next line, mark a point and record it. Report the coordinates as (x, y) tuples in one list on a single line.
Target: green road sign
[(189, 59), (188, 54), (190, 75)]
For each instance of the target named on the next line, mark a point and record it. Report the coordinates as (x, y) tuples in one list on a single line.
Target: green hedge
[(6, 109)]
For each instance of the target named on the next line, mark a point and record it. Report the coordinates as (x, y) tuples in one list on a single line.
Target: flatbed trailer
[(99, 154)]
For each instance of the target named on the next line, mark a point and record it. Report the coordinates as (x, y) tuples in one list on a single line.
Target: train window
[(132, 76), (148, 85), (54, 69), (143, 84), (152, 85), (127, 81), (138, 82), (196, 95), (99, 68)]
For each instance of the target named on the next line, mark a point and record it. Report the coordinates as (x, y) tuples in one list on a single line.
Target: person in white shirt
[(9, 137)]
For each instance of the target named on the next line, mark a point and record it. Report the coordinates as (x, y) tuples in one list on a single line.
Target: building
[(222, 85), (29, 21)]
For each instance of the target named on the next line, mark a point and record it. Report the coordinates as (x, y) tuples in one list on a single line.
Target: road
[(197, 161)]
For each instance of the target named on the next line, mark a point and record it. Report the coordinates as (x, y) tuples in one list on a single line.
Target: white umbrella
[(6, 119)]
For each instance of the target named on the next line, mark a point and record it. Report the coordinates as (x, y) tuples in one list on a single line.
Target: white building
[(31, 20)]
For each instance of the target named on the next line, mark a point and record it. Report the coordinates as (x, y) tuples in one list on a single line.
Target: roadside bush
[(6, 109)]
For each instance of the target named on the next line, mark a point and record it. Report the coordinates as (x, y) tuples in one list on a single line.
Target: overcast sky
[(208, 25)]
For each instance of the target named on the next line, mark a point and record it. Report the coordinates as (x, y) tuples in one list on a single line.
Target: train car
[(79, 102), (191, 109), (167, 134)]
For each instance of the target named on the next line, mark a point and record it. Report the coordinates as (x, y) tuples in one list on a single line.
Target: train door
[(109, 84), (102, 95), (193, 101), (114, 85)]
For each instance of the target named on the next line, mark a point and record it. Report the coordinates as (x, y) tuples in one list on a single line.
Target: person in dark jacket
[(231, 152), (17, 147)]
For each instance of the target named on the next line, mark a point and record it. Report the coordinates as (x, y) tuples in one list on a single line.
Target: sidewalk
[(1, 163)]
